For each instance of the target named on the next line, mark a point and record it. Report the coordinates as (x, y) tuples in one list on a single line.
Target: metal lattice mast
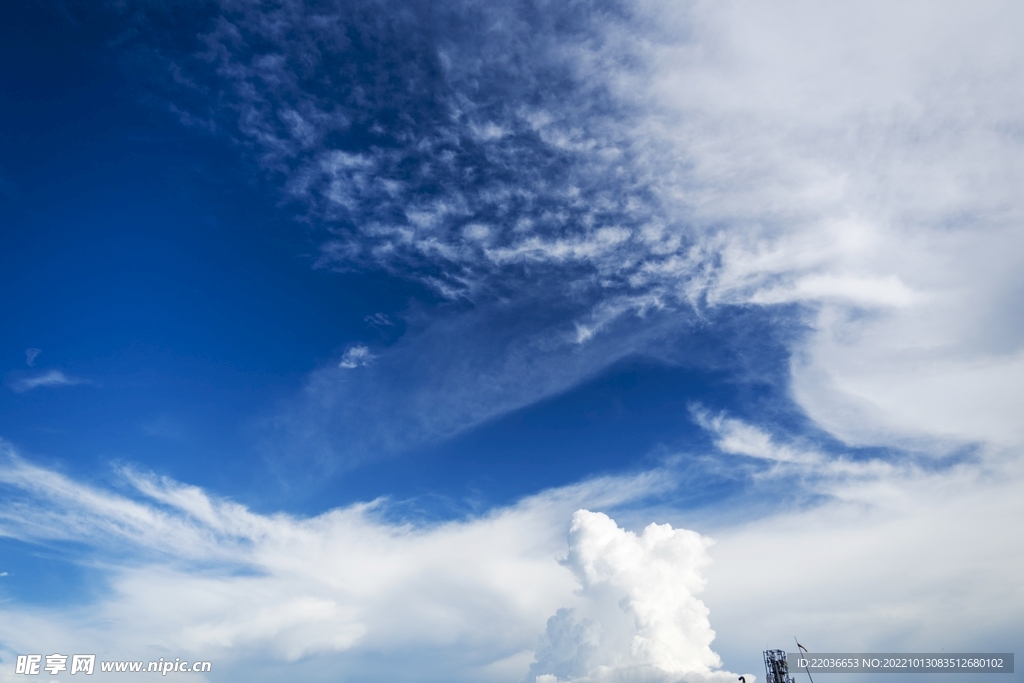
[(776, 668)]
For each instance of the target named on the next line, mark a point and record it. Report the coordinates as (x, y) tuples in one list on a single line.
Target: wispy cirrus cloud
[(601, 161), (50, 378)]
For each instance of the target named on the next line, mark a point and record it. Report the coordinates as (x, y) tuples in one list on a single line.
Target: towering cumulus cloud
[(639, 619)]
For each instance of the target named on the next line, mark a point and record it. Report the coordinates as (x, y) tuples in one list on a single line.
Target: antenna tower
[(776, 667)]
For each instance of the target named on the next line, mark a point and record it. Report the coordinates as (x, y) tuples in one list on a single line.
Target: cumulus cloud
[(50, 378), (639, 619)]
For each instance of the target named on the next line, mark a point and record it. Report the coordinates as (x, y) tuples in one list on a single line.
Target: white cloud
[(379, 320), (884, 556), (448, 373), (855, 553), (50, 378), (873, 566), (207, 578), (31, 355), (864, 164), (738, 437), (639, 619), (603, 241), (355, 357)]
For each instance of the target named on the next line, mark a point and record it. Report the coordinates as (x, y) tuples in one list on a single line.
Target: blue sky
[(368, 339)]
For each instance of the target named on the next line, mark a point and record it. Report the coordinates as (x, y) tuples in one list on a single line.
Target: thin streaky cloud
[(48, 379)]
